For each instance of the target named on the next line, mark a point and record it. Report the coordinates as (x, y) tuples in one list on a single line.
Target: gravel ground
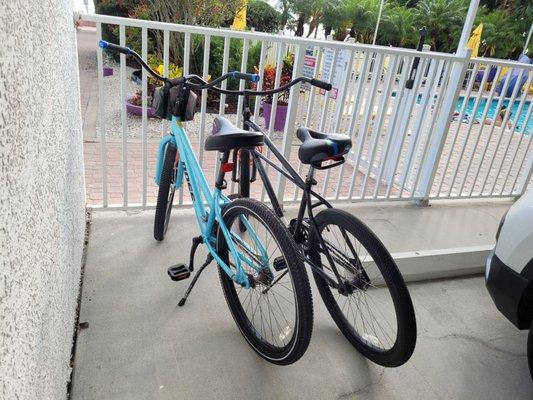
[(155, 126)]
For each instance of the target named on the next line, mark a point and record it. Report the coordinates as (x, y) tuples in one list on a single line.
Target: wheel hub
[(359, 281), (264, 277)]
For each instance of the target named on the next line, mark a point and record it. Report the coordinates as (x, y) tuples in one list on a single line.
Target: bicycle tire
[(165, 194), (530, 350), (244, 178), (244, 173), (303, 318), (405, 342)]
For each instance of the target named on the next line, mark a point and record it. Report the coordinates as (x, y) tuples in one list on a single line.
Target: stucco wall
[(41, 197)]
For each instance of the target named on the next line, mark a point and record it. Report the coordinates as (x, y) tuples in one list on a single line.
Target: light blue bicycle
[(261, 272)]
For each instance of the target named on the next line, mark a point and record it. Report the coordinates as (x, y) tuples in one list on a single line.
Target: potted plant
[(134, 103), (269, 78)]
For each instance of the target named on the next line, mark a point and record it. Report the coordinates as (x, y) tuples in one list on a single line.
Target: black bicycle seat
[(317, 147), (226, 136)]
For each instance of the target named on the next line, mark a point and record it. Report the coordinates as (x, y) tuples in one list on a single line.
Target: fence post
[(407, 96), (456, 76), (292, 111), (437, 139)]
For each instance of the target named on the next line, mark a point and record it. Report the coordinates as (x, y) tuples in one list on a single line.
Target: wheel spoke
[(366, 308), (271, 314)]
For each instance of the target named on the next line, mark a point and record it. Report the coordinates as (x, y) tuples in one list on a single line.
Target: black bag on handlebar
[(160, 101), (174, 99), (188, 107)]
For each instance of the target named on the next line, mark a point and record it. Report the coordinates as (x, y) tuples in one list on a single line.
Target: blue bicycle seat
[(226, 136), (317, 147)]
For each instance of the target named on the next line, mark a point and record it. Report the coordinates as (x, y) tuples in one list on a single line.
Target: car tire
[(530, 349)]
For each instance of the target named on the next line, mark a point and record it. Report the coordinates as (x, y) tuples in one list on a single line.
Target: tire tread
[(299, 276)]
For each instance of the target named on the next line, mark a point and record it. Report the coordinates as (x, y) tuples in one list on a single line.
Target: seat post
[(219, 184), (246, 113), (310, 179)]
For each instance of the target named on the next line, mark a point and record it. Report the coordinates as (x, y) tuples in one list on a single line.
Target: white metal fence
[(448, 136)]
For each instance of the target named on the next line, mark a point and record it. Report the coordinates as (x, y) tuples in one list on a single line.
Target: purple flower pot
[(138, 110), (281, 115), (108, 71)]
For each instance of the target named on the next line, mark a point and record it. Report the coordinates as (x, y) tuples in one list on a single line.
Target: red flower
[(269, 79)]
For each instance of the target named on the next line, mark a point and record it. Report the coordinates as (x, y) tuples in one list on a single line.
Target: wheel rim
[(364, 300), (270, 307)]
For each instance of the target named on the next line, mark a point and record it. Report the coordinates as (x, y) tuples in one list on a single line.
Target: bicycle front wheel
[(372, 307), (275, 315)]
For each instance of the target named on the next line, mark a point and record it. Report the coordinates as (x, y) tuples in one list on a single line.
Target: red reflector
[(227, 167)]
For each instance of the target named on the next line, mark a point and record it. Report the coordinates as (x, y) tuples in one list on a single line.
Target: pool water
[(492, 111)]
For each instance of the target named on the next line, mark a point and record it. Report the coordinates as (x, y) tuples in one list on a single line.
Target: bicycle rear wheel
[(275, 315), (165, 195), (244, 173), (373, 309), (244, 177)]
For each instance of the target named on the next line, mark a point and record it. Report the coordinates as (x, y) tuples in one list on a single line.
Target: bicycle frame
[(306, 202), (208, 204)]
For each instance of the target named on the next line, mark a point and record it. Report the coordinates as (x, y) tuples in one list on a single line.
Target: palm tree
[(523, 15), (285, 12), (307, 10), (444, 20), (499, 37), (363, 15), (398, 27), (334, 19), (316, 12)]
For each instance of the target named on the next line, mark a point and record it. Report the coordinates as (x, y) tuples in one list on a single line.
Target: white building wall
[(42, 202)]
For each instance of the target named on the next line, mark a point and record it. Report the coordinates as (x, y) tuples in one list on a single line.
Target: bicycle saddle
[(317, 147), (226, 136)]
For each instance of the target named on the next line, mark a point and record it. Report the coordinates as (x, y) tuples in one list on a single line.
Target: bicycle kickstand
[(196, 276)]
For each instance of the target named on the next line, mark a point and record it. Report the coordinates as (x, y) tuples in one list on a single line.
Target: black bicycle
[(356, 276)]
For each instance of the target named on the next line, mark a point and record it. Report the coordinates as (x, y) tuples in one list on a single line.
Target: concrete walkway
[(86, 38), (140, 345)]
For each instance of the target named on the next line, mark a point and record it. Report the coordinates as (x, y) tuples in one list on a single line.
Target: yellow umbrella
[(239, 22), (475, 40)]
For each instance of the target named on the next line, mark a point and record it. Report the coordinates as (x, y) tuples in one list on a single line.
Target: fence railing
[(450, 135)]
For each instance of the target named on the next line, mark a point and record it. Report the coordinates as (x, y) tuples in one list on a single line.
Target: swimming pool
[(492, 111)]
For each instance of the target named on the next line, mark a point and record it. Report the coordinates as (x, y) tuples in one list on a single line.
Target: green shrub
[(262, 17)]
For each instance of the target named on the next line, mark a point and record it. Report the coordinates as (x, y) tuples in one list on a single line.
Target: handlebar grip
[(244, 75), (114, 47), (321, 84)]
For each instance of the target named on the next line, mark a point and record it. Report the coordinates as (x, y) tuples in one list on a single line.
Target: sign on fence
[(338, 73), (308, 69)]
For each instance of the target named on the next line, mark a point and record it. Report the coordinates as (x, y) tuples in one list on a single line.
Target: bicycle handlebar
[(245, 75), (321, 84), (211, 85), (114, 47), (129, 52)]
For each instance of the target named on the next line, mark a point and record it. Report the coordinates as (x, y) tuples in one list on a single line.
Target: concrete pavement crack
[(365, 388), (474, 339)]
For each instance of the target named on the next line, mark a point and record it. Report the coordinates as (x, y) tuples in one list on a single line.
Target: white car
[(509, 270)]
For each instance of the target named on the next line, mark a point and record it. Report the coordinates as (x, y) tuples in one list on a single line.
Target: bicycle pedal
[(178, 272)]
